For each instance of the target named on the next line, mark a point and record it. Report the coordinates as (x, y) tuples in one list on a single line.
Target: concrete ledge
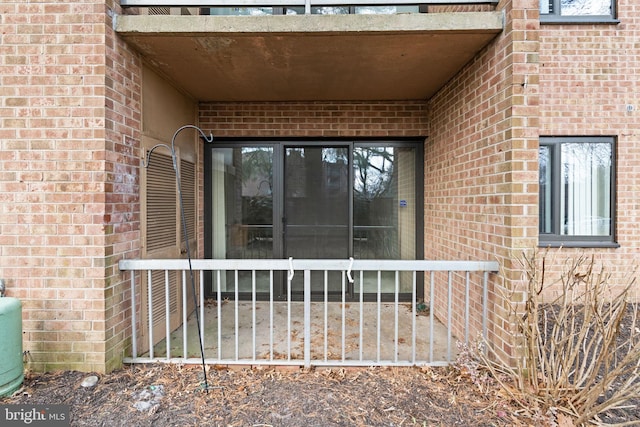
[(474, 22)]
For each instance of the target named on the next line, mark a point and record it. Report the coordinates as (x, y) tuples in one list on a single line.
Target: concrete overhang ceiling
[(310, 57)]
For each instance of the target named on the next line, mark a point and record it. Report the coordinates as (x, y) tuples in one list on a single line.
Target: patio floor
[(343, 336)]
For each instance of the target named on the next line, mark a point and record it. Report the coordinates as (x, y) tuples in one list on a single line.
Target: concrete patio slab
[(351, 336)]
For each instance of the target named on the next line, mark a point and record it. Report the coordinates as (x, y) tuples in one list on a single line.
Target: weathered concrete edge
[(162, 25)]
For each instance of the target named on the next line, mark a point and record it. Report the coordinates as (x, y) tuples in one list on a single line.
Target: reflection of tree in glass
[(585, 7), (257, 182), (581, 160), (331, 10), (545, 165), (373, 169), (334, 155), (257, 165)]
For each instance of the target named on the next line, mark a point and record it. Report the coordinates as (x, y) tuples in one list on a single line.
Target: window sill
[(576, 244), (554, 19)]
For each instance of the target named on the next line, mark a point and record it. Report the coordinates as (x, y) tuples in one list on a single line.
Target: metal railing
[(368, 325), (307, 4)]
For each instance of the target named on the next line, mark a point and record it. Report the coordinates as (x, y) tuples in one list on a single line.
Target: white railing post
[(134, 326), (449, 313), (379, 316), (343, 318), (270, 315), (326, 314), (201, 299), (466, 307), (253, 314), (395, 316), (150, 312), (167, 314), (236, 314), (307, 318), (485, 303), (184, 314), (219, 306), (414, 284), (432, 296)]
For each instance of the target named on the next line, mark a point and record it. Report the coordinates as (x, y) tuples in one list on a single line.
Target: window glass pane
[(316, 192), (585, 189), (375, 199), (384, 209), (240, 11), (585, 7), (545, 6), (384, 203), (545, 224), (242, 209), (386, 10), (330, 10)]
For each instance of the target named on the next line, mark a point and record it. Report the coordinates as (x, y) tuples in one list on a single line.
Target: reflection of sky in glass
[(334, 155), (544, 6), (361, 10), (578, 7), (581, 159), (585, 7), (241, 11), (373, 170), (585, 207)]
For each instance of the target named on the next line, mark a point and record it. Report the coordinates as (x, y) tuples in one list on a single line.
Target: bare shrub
[(578, 354)]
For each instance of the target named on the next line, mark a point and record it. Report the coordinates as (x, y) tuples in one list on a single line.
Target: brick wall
[(481, 178), (67, 136), (315, 119), (69, 155), (123, 116), (588, 76)]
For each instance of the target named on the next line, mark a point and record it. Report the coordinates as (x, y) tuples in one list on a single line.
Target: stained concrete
[(327, 344), (310, 57)]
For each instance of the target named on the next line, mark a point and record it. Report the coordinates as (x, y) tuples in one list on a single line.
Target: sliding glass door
[(316, 210), (312, 200)]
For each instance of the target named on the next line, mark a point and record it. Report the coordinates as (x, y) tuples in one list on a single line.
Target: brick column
[(481, 169), (68, 180)]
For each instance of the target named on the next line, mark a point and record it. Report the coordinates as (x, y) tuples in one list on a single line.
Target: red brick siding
[(481, 178), (123, 124), (315, 119), (588, 76), (59, 147)]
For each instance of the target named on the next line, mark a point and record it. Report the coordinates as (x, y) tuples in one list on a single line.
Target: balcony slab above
[(310, 57)]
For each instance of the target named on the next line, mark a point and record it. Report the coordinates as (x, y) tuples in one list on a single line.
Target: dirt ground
[(172, 395)]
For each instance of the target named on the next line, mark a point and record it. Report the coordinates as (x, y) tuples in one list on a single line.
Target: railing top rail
[(281, 3), (307, 264)]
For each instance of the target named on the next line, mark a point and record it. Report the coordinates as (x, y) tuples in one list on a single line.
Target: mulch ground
[(173, 395)]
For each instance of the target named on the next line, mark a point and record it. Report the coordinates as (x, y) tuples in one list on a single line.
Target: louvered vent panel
[(159, 295), (159, 11), (161, 203), (188, 183)]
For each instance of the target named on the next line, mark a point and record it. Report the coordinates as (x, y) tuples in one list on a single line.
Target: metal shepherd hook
[(174, 159)]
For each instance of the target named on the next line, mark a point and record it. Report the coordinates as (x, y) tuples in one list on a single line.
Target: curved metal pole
[(185, 232)]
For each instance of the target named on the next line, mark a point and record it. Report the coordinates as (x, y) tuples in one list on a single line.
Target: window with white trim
[(577, 186), (578, 11)]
